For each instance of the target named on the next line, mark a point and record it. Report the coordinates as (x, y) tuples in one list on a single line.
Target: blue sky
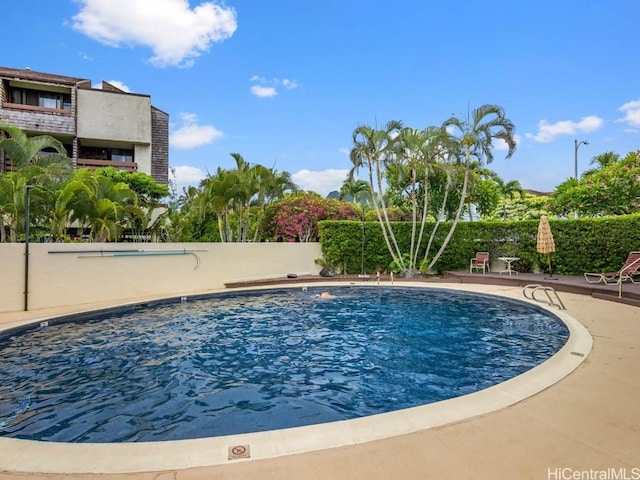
[(285, 82)]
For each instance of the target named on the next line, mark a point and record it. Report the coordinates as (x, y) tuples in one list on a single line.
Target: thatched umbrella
[(545, 243)]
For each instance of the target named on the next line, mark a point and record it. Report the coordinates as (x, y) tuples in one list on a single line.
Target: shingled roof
[(28, 74)]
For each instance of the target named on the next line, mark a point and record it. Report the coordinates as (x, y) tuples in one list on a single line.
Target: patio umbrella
[(545, 243)]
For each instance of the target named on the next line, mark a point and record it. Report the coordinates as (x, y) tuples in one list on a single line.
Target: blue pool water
[(238, 363)]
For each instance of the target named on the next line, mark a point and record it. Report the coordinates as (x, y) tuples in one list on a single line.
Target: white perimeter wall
[(76, 278)]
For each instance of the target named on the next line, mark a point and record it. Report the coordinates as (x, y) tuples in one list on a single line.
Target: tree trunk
[(463, 197)]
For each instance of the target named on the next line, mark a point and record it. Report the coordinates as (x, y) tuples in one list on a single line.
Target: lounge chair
[(480, 262), (630, 268)]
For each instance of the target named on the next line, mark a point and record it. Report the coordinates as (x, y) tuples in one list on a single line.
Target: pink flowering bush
[(296, 217)]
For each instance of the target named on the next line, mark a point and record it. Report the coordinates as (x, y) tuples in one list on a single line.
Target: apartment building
[(98, 126)]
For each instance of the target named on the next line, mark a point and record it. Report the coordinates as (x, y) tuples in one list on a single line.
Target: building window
[(105, 153), (121, 155), (26, 96), (49, 100)]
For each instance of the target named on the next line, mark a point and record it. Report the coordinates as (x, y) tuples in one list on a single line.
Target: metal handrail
[(137, 253), (529, 291)]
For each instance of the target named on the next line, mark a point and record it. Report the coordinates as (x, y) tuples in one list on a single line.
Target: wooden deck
[(630, 292)]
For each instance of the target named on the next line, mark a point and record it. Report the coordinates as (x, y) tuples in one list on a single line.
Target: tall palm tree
[(245, 190), (417, 155), (412, 161), (374, 150), (474, 138)]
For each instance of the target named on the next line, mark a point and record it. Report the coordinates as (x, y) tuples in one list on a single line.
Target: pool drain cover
[(239, 451)]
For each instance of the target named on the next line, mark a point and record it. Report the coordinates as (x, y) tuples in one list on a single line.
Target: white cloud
[(192, 135), (175, 33), (267, 88), (289, 84), (264, 92), (118, 84), (632, 113), (322, 182), (345, 151), (547, 132), (187, 175)]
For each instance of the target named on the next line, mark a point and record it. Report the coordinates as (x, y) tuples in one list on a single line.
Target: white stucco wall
[(107, 115), (76, 278)]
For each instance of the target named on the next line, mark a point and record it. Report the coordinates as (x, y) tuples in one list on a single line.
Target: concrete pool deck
[(590, 420)]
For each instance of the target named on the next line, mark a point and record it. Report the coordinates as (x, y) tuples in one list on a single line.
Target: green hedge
[(582, 245)]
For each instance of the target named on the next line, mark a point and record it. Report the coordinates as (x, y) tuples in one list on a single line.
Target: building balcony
[(36, 108), (39, 120), (91, 163)]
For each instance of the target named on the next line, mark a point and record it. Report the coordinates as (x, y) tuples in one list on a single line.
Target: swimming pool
[(234, 363)]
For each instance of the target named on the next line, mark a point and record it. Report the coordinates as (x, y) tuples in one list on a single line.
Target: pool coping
[(50, 457)]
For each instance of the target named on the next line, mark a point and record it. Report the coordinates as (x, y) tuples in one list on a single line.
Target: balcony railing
[(36, 108), (90, 163)]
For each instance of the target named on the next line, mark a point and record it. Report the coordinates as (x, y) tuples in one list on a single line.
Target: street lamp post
[(27, 223), (362, 243), (575, 154)]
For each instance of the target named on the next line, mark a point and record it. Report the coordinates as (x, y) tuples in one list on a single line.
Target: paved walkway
[(586, 424)]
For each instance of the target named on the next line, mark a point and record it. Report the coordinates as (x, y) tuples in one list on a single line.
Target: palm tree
[(27, 159), (272, 186), (103, 206), (145, 223), (477, 174), (23, 150), (358, 191), (184, 215), (412, 160), (245, 189), (219, 191), (602, 161), (373, 150), (5, 187), (12, 195), (237, 197), (442, 174), (255, 186), (417, 155), (508, 190), (474, 138), (55, 191)]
